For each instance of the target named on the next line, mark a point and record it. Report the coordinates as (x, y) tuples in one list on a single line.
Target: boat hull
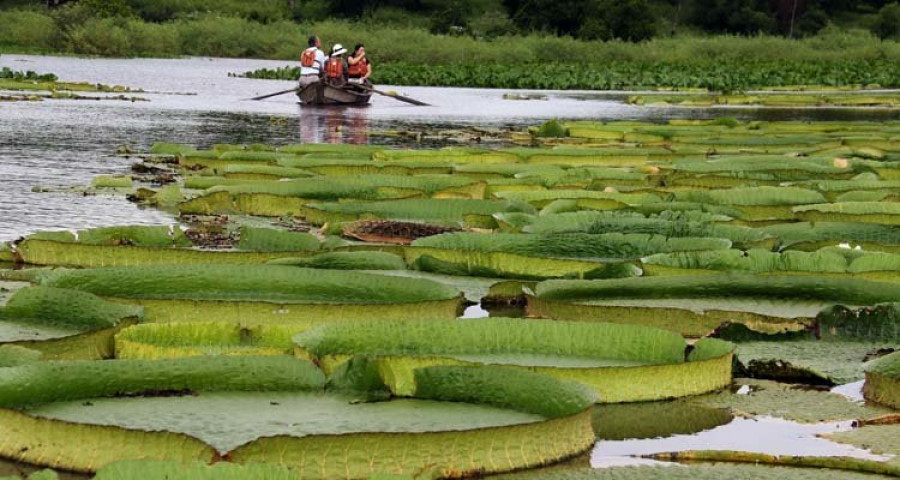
[(321, 93)]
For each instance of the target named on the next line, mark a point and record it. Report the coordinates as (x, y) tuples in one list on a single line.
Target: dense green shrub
[(264, 11), (8, 73), (149, 39), (27, 29), (887, 24), (101, 36)]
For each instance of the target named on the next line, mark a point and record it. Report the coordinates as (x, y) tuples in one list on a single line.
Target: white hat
[(338, 49)]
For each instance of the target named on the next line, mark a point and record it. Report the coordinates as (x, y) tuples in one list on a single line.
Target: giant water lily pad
[(645, 420), (261, 294), (791, 402), (190, 339), (104, 247), (545, 256), (692, 472), (461, 415), (632, 363), (163, 470), (880, 439), (810, 361), (833, 352), (883, 380), (63, 323), (696, 305)]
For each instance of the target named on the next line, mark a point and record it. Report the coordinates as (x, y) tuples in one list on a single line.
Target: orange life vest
[(308, 57), (334, 68), (359, 69)]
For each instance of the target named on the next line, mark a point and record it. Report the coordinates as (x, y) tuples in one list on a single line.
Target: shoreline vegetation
[(405, 52), (726, 75)]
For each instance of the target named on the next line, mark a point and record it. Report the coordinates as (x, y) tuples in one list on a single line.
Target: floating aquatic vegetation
[(864, 212), (647, 420), (883, 380), (63, 323), (394, 232), (837, 463), (833, 352), (685, 197), (813, 236), (160, 470), (809, 361), (633, 363), (791, 402), (271, 240), (347, 261), (697, 305), (452, 212), (544, 256), (152, 341), (254, 294), (880, 439), (759, 261), (855, 100), (64, 397), (693, 469)]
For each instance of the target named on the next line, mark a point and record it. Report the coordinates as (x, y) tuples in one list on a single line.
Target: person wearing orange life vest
[(335, 70), (312, 62), (359, 69)]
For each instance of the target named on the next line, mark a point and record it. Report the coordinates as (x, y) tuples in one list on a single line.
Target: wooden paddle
[(395, 96), (275, 94)]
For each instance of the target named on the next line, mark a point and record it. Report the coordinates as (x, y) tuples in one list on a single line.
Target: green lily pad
[(692, 472), (880, 439), (834, 363), (801, 404)]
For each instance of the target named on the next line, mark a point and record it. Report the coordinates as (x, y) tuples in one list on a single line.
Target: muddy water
[(67, 142)]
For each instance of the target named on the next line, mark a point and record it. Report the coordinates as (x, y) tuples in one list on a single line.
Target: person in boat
[(335, 70), (359, 68), (312, 62)]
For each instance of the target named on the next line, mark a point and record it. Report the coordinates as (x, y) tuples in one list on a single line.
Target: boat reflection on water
[(334, 125)]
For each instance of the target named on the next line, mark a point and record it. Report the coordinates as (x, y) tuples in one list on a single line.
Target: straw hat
[(338, 49)]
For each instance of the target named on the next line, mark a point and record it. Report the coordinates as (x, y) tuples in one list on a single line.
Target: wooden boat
[(323, 93)]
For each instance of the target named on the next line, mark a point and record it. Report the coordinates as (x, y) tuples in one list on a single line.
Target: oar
[(395, 96), (276, 94)]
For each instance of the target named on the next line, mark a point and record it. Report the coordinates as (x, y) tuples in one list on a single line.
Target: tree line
[(630, 20)]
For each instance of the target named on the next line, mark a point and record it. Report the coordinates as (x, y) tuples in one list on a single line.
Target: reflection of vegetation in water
[(655, 420)]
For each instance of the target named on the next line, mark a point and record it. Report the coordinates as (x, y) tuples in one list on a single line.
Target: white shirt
[(317, 67)]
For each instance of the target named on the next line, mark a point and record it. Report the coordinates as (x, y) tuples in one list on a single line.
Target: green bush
[(887, 24), (264, 11), (552, 128), (101, 36), (26, 28), (216, 36), (153, 39)]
